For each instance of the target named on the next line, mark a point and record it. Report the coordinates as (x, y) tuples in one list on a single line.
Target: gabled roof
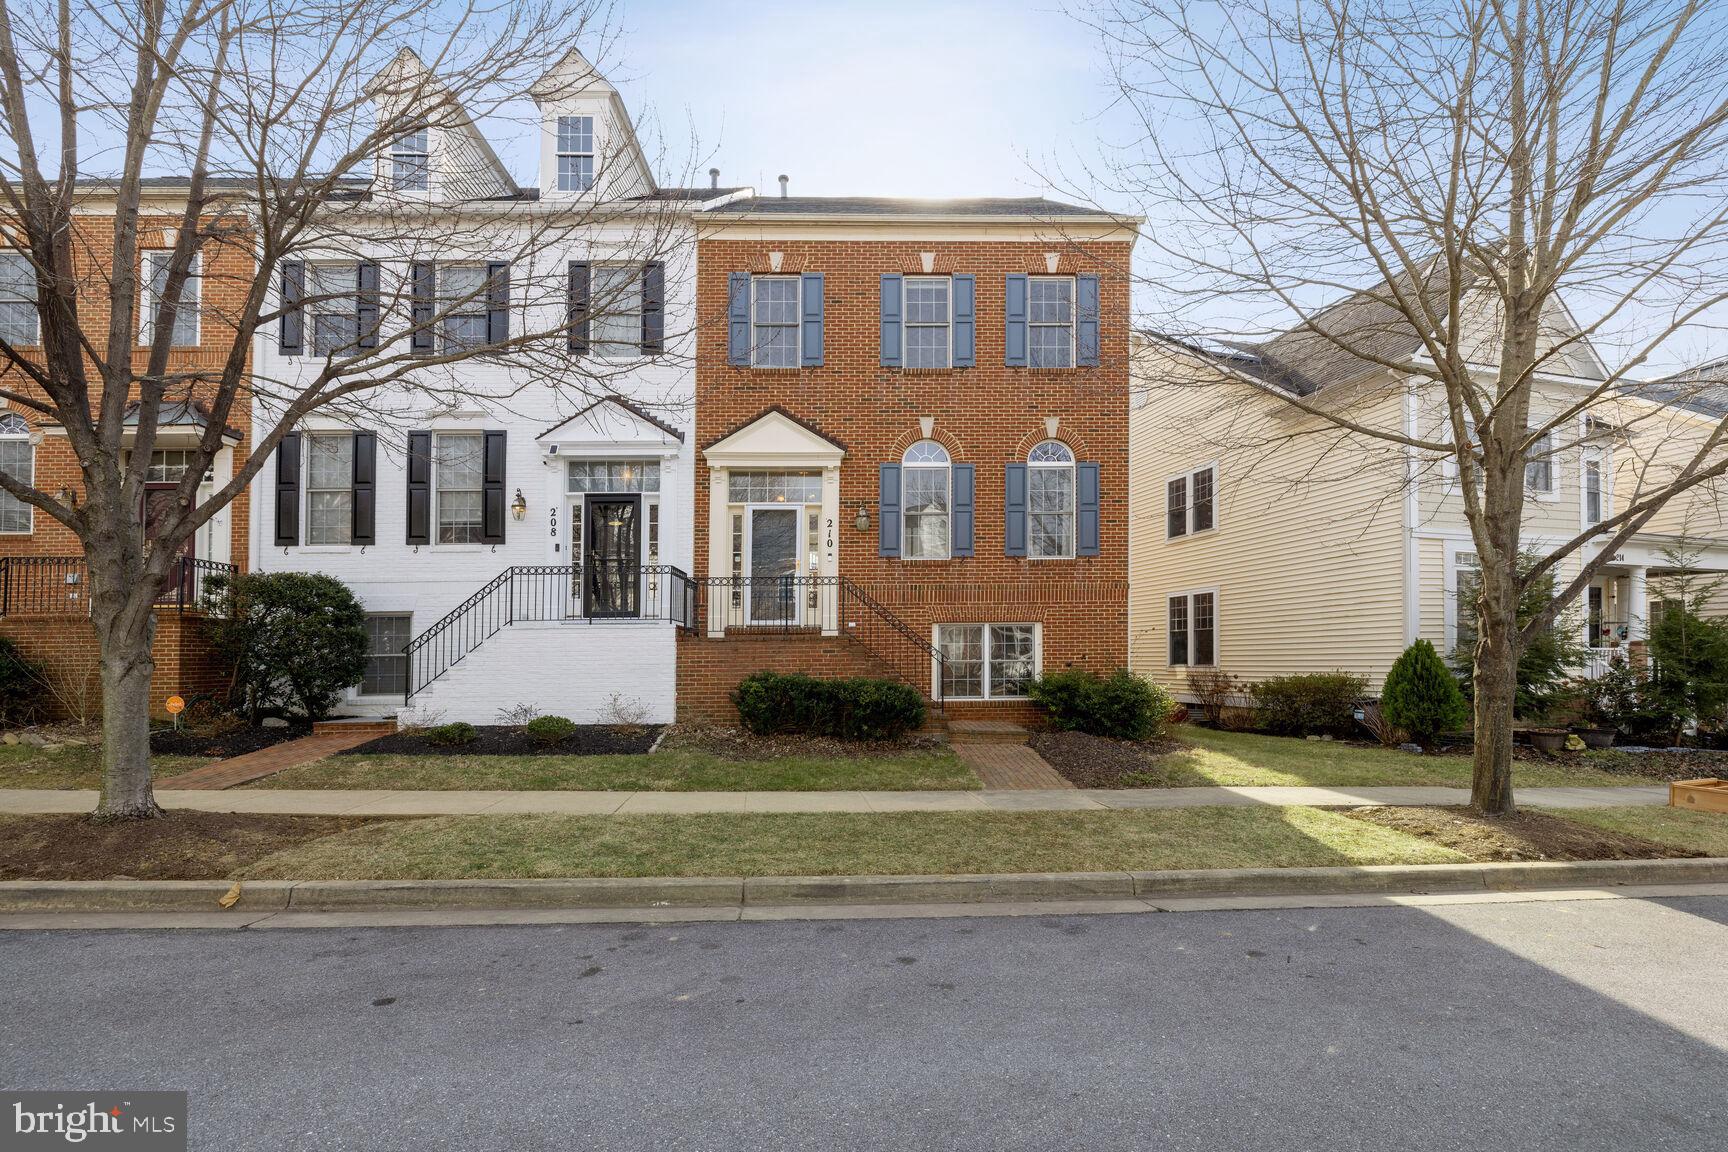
[(630, 410), (1703, 390), (776, 435), (462, 155)]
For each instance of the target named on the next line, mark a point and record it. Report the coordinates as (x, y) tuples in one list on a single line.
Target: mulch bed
[(224, 745), (1523, 836), (1099, 762), (181, 846), (737, 744), (507, 740)]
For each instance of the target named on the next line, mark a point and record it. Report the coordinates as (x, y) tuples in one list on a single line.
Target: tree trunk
[(1496, 684), (126, 668)]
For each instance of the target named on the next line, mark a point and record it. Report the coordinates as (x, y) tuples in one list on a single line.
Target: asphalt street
[(1561, 1025)]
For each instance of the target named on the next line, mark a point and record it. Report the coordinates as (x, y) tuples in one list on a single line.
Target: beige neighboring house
[(1265, 540)]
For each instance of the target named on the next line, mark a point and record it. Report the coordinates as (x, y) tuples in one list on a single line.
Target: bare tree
[(235, 135), (1450, 171)]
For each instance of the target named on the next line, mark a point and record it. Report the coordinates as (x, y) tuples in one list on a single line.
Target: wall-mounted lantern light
[(519, 506), (862, 520)]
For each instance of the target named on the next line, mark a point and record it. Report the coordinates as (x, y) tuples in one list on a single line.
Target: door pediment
[(775, 439)]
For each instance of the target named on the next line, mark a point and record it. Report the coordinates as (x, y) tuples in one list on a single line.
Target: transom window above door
[(612, 476), (774, 487), (168, 465)]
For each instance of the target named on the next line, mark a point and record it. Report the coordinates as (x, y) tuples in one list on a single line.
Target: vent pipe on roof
[(783, 180), (713, 177)]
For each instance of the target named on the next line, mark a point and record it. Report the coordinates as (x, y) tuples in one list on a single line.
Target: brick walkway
[(265, 762), (1009, 766)]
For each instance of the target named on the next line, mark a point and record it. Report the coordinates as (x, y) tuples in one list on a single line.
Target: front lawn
[(911, 843), (1705, 832), (75, 766), (670, 770), (1247, 759)]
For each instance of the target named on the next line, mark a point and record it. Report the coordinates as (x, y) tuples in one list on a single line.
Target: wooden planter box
[(1699, 795)]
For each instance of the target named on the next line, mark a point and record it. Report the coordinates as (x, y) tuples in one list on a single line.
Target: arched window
[(1050, 501), (926, 498), (17, 460)]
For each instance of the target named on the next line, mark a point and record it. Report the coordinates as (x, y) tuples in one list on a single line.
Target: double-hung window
[(925, 475), (575, 153), (458, 474), (156, 265), (1194, 629), (17, 300), (928, 301), (386, 663), (987, 661), (1050, 322), (774, 321), (334, 292), (462, 298), (1466, 588), (1190, 502), (1593, 506), (411, 161), (615, 310), (1539, 466), (1050, 501), (330, 489), (17, 460)]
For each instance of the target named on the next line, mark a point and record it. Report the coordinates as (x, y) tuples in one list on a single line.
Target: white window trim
[(1453, 549), (1187, 478), (24, 438), (986, 625), (907, 325), (635, 352), (35, 340), (438, 491), (307, 490), (1605, 475), (1188, 594), (147, 316), (797, 322), (396, 150), (906, 520), (1073, 469), (1449, 462), (559, 153), (1073, 324), (355, 692), (1555, 480)]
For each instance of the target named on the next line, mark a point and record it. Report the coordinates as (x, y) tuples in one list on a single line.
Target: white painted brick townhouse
[(545, 491)]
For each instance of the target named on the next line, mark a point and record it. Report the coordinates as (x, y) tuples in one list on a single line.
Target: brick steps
[(987, 732)]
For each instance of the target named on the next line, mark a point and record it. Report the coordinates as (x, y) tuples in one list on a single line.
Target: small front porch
[(1627, 598)]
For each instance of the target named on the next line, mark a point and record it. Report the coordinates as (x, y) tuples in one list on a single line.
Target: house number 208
[(552, 522)]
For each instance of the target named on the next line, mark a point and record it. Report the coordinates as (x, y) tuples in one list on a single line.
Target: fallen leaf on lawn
[(231, 897)]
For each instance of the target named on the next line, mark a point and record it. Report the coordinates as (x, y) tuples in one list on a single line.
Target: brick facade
[(65, 649), (988, 416), (709, 669)]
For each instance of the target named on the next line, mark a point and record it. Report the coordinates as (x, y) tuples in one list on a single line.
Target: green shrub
[(452, 735), (1421, 696), (550, 729), (22, 685), (772, 703), (1122, 706), (293, 638), (1310, 704)]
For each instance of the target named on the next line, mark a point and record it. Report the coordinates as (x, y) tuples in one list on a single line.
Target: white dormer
[(588, 145), (433, 147)]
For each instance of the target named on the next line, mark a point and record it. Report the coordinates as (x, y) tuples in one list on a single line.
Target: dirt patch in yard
[(507, 740), (1524, 836), (180, 846), (1099, 762)]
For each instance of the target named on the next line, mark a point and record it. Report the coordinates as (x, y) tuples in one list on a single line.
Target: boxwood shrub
[(550, 729), (773, 703), (452, 735), (1122, 706), (1311, 703)]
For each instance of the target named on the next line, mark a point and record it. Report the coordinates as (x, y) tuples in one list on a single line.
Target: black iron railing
[(60, 585), (560, 593)]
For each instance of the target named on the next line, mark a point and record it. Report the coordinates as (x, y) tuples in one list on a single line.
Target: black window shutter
[(422, 294), (366, 306), (653, 308), (578, 304), (492, 490), (288, 491), (364, 496), (497, 303), (419, 487), (293, 331)]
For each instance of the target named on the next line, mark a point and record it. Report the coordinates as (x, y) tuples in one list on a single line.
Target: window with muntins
[(1539, 466), (330, 489), (928, 343), (168, 465), (774, 321), (1467, 585), (411, 162), (1193, 620), (1592, 492), (1189, 503), (1050, 322), (925, 497), (462, 300), (458, 474), (612, 476), (155, 288), (1050, 501), (334, 290), (17, 460), (575, 153), (615, 310), (987, 661), (17, 300), (774, 487), (386, 663)]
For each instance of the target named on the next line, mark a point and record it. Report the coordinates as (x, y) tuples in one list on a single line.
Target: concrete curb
[(783, 891)]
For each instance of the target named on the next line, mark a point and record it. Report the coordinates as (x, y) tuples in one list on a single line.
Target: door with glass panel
[(612, 559), (773, 565)]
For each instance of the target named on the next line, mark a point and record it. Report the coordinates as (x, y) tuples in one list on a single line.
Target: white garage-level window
[(1194, 630), (17, 460), (1050, 501), (987, 661), (386, 664), (925, 482)]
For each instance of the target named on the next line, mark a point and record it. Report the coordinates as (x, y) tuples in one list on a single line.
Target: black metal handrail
[(60, 585), (563, 593)]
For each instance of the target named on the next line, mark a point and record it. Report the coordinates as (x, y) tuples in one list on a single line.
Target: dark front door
[(612, 560), (158, 502)]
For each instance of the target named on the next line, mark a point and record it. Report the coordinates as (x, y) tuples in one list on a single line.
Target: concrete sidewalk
[(338, 802)]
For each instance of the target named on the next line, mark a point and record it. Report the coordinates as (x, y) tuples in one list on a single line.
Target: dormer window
[(575, 153), (411, 161)]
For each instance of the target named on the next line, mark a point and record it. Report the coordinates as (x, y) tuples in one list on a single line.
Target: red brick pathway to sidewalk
[(221, 774), (1009, 766)]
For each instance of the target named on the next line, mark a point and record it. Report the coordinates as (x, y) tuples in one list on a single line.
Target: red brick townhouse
[(912, 445), (43, 580)]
